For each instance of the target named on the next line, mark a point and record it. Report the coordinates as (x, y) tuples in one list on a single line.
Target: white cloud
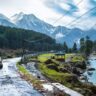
[(65, 6), (42, 11)]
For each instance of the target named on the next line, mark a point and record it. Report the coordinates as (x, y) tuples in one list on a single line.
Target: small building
[(60, 56)]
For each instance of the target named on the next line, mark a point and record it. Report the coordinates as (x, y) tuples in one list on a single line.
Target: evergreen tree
[(82, 45), (65, 47), (94, 46), (70, 50), (74, 49), (88, 46), (13, 38)]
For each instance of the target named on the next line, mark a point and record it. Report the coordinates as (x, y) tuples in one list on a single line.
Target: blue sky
[(51, 10)]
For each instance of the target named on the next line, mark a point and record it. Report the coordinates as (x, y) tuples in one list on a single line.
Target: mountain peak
[(21, 15), (16, 17)]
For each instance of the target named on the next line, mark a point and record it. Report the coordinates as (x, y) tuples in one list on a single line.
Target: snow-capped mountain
[(5, 21), (31, 22), (60, 33)]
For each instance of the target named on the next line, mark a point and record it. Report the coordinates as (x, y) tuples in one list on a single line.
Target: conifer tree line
[(13, 38), (86, 46)]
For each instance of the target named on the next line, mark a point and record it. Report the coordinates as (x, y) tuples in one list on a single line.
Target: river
[(10, 82), (92, 77)]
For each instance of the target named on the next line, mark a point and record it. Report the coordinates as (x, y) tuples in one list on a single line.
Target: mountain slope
[(31, 22), (15, 38), (60, 33), (5, 21)]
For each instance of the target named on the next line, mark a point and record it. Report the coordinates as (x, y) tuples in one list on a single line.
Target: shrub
[(60, 59), (49, 61), (52, 66)]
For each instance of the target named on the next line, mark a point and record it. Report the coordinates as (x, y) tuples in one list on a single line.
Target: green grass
[(68, 55), (28, 77), (61, 77), (44, 57), (22, 69), (54, 75), (77, 58)]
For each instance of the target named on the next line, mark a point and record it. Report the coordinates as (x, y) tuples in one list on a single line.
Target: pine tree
[(82, 45), (74, 48), (88, 46), (94, 46), (65, 47)]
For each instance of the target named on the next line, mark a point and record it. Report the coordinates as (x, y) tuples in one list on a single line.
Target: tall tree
[(88, 46), (94, 46), (13, 38), (74, 49), (82, 45), (65, 47)]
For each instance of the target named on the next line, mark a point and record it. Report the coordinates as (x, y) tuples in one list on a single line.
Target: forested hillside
[(12, 38)]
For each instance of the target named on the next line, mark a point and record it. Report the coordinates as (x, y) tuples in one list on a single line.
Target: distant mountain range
[(60, 33)]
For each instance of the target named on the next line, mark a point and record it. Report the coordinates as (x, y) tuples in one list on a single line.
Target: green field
[(53, 74), (44, 57)]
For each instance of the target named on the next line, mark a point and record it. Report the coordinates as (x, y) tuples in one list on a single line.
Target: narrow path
[(10, 82)]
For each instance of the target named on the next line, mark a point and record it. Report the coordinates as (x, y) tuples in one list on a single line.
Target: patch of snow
[(59, 35), (48, 87)]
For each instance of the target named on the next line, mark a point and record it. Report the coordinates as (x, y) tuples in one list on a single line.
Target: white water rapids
[(10, 82)]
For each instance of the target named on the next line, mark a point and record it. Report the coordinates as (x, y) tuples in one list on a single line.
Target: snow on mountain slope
[(5, 21), (3, 17), (69, 35), (31, 22)]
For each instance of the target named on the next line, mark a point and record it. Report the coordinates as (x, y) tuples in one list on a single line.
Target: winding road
[(10, 82)]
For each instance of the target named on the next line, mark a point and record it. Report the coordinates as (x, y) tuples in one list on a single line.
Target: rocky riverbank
[(91, 70)]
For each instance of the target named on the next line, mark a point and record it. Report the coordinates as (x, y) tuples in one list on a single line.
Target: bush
[(81, 65), (60, 59), (63, 70), (49, 61), (52, 66)]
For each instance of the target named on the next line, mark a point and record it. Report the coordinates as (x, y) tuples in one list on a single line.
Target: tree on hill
[(88, 46), (13, 38), (66, 47), (74, 49), (82, 45), (94, 46)]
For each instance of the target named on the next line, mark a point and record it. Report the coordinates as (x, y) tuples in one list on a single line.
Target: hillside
[(13, 38)]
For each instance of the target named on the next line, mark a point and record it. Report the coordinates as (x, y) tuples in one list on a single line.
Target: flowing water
[(92, 77), (10, 82)]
